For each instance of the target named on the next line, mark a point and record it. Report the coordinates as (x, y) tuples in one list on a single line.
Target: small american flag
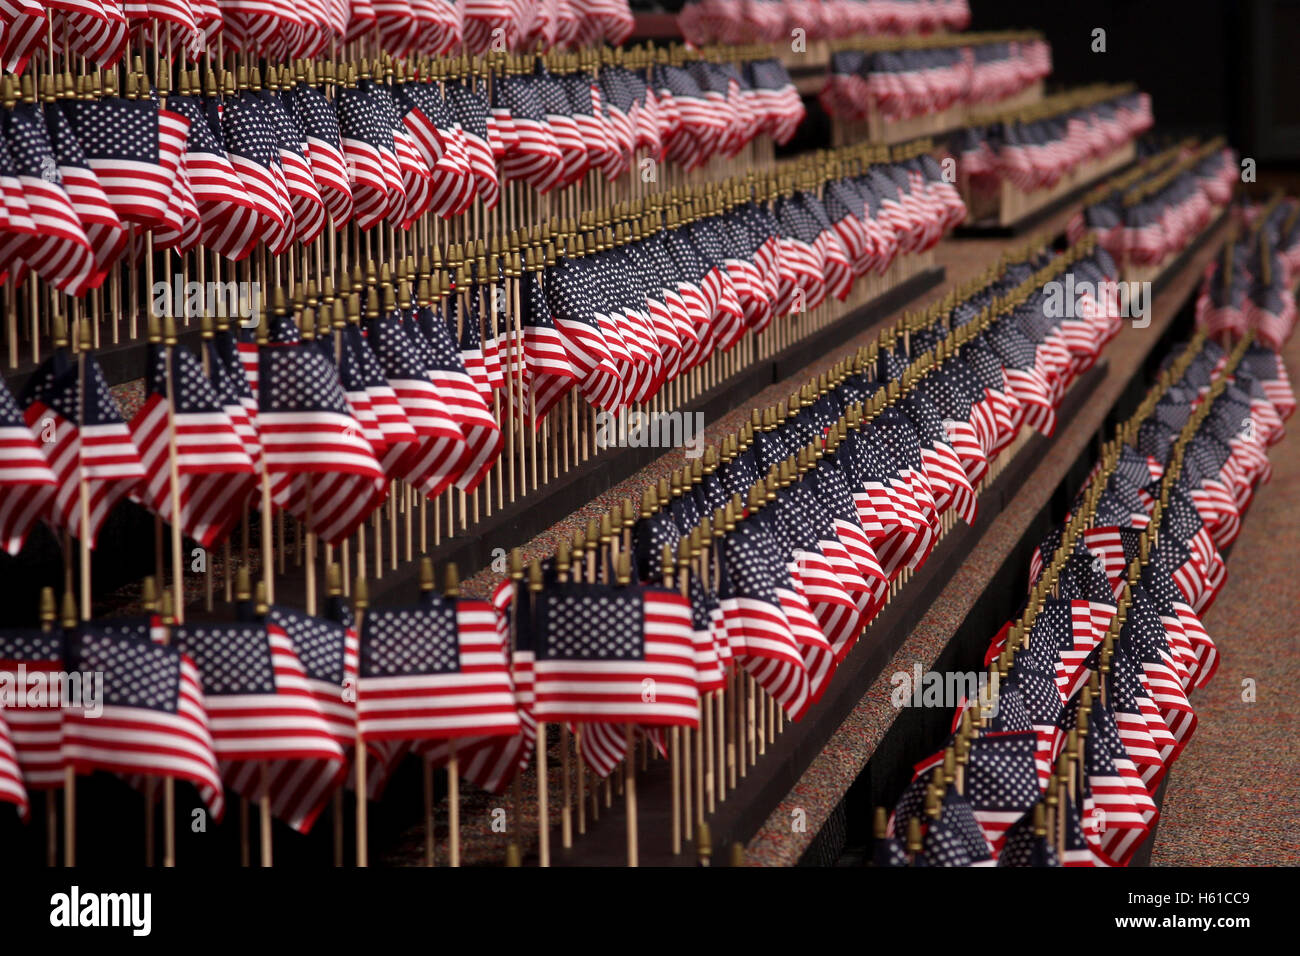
[(320, 127), (374, 172), (1001, 782), (35, 732), (250, 145), (615, 655), (60, 251), (88, 440), (226, 213), (267, 727), (312, 445), (98, 218), (214, 472), (154, 720), (463, 399), (1024, 846), (11, 777), (434, 671), (130, 147), (757, 625), (955, 838), (440, 455), (25, 476)]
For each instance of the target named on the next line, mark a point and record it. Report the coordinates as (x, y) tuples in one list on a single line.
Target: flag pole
[(623, 578), (543, 813), (173, 461), (69, 621), (451, 591), (426, 587), (264, 802), (149, 604), (360, 601), (172, 614)]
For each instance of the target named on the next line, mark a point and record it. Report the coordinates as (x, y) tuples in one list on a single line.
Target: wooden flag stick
[(629, 795), (543, 812), (451, 591), (675, 734), (172, 614), (360, 601), (69, 774)]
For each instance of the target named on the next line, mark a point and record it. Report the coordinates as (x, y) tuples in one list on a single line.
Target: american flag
[(1126, 812), (374, 402), (11, 778), (413, 172), (1138, 721), (1001, 781), (757, 625), (60, 251), (434, 671), (942, 465), (329, 168), (250, 145), (1145, 638), (134, 150), (304, 196), (463, 399), (1080, 847), (313, 447), (327, 650), (29, 657), (615, 655), (230, 382), (472, 112), (492, 762), (103, 226), (267, 727), (589, 353), (215, 475), (531, 151), (86, 441), (25, 476), (228, 219), (440, 455), (1024, 846), (22, 22), (435, 133), (955, 838), (374, 172), (154, 720)]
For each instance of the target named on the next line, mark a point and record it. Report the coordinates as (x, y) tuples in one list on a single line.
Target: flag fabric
[(267, 727), (614, 655), (322, 469), (86, 442), (32, 662), (26, 480), (434, 671), (154, 717), (214, 474)]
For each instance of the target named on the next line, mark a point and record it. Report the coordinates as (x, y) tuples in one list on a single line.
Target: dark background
[(1211, 66), (1229, 66)]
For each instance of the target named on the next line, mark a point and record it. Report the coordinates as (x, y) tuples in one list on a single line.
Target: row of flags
[(770, 21), (1093, 677), (101, 30), (408, 387), (903, 80), (1151, 213), (279, 158), (1034, 148), (1251, 286), (767, 561)]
